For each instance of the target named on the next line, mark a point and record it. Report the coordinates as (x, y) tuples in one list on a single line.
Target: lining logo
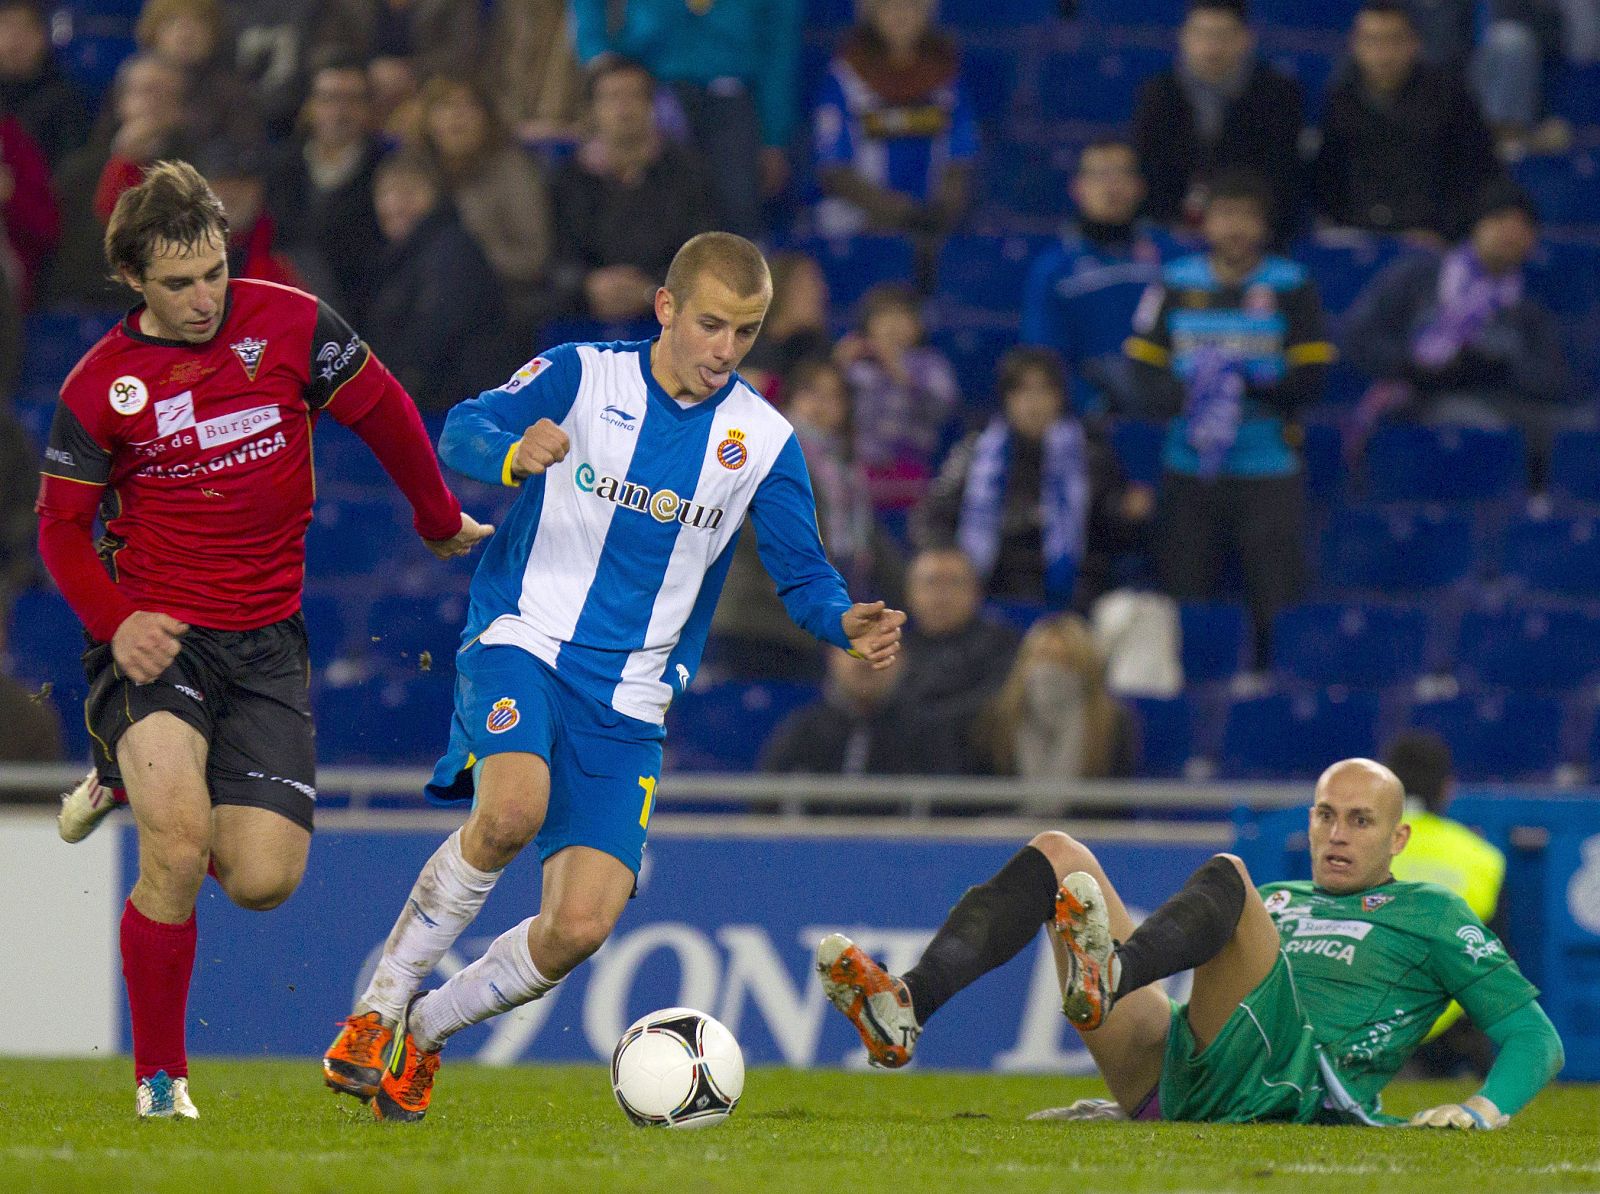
[(503, 716), (1478, 945), (1372, 903), (249, 352), (618, 417), (731, 452), (128, 395)]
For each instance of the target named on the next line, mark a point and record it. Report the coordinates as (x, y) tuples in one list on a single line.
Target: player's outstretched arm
[(874, 632), (1530, 1056)]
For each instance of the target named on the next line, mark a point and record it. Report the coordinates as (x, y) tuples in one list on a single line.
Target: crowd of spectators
[(465, 180)]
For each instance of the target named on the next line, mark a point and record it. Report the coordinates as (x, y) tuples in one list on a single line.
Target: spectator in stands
[(320, 188), (796, 327), (624, 202), (1404, 146), (496, 187), (1038, 504), (1081, 291), (1459, 339), (904, 396), (1230, 346), (141, 121), (34, 88), (1220, 109), (955, 658), (894, 134), (405, 41), (750, 636), (30, 221), (860, 727), (733, 69), (1446, 852), (238, 175), (436, 305), (191, 35), (535, 69), (1054, 717)]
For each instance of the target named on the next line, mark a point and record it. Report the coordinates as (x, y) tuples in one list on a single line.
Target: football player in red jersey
[(188, 428)]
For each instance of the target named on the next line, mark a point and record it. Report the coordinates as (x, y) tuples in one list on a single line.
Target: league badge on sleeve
[(503, 716), (526, 374)]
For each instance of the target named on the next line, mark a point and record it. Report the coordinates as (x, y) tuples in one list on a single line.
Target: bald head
[(1356, 827)]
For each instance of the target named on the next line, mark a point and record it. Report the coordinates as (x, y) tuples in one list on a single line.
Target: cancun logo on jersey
[(618, 417), (663, 505), (503, 716), (1479, 945), (731, 452)]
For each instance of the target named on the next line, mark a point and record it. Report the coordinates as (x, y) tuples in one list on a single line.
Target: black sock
[(988, 927), (1189, 929)]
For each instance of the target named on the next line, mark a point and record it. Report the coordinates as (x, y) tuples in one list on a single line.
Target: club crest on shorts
[(249, 352), (731, 452), (1372, 903), (503, 716)]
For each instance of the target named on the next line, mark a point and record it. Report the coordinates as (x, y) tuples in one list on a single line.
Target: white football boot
[(83, 808), (161, 1097)]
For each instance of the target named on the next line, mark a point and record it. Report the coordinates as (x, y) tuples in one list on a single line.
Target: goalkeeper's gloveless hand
[(1476, 1113)]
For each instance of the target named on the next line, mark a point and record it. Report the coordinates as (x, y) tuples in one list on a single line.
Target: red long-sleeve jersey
[(198, 458)]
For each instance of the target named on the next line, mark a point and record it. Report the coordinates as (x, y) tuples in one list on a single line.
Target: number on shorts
[(648, 783)]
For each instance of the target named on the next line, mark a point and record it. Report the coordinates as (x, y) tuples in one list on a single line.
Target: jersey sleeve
[(784, 513), (481, 434), (1472, 965), (77, 466), (338, 357)]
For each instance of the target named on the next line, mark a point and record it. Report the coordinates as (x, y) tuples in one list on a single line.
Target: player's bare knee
[(497, 835), (575, 936), (1065, 852)]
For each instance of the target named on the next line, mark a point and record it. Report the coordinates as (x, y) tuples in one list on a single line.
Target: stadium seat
[(1213, 641), (400, 627), (384, 720), (326, 627), (987, 272), (1137, 443), (989, 79), (1564, 275), (1509, 738), (1295, 735), (1406, 462), (1322, 452), (1332, 15), (974, 350), (855, 264), (1565, 189), (1396, 550), (1166, 735), (358, 538), (1551, 649), (44, 645), (343, 460), (1366, 646), (723, 727), (1097, 84), (1575, 466), (54, 340), (1342, 264), (1576, 92), (982, 15), (92, 61), (1164, 14), (1028, 179), (1312, 69), (1555, 555)]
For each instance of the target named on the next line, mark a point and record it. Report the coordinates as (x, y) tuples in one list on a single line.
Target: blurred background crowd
[(1214, 384)]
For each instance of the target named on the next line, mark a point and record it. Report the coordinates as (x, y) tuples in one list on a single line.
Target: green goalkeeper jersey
[(1375, 968)]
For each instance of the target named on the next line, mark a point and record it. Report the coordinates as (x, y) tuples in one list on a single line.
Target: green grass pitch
[(271, 1126)]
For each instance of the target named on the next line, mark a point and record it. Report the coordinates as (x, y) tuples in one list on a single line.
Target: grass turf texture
[(271, 1126)]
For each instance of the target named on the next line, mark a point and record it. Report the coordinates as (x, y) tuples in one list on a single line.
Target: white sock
[(502, 979), (448, 894)]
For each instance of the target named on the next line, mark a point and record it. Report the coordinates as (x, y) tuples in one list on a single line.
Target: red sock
[(157, 963)]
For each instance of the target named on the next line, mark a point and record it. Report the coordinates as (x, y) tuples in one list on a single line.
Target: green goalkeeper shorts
[(1261, 1067)]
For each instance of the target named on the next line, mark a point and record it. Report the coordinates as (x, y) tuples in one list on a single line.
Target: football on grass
[(677, 1068)]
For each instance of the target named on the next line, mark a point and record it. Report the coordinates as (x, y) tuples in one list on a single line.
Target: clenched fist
[(145, 644), (542, 445)]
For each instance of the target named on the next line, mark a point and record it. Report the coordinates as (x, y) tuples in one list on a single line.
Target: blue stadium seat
[(1406, 462), (1564, 275), (1331, 15), (1548, 649), (1575, 466), (1508, 738), (1167, 14), (1564, 189), (1312, 69), (1576, 92), (1367, 646), (343, 459), (1137, 443), (1213, 641), (974, 350), (355, 537), (44, 646), (987, 272), (1028, 179), (1295, 735), (723, 727), (399, 721), (401, 626), (92, 61), (1555, 555), (327, 627), (1166, 735), (1342, 264), (54, 340), (1098, 84), (1397, 550), (855, 264), (1322, 452), (983, 15), (989, 79)]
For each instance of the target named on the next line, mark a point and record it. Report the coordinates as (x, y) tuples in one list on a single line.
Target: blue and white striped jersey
[(610, 563)]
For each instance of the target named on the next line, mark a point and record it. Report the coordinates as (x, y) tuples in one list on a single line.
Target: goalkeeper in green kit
[(1307, 998)]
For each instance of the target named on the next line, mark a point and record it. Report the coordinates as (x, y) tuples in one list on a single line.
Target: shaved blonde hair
[(732, 260)]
